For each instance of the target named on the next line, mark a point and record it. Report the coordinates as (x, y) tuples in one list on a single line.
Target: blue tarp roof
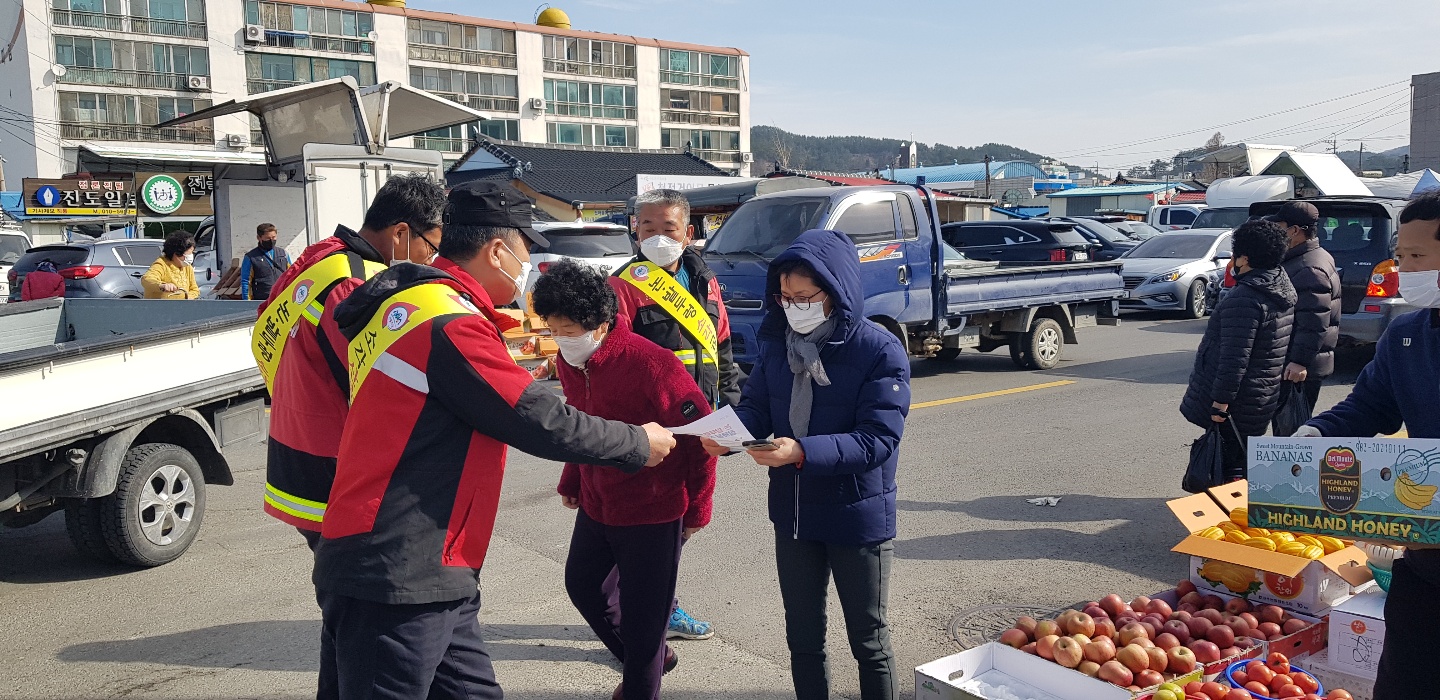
[(1023, 212), (15, 209), (1116, 190), (966, 171)]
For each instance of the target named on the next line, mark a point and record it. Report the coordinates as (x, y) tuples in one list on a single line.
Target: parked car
[(13, 245), (1173, 217), (100, 269), (1109, 241), (1176, 270), (1031, 240), (1229, 199), (1138, 230), (602, 245)]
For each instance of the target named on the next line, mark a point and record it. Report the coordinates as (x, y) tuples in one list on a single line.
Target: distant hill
[(1390, 162), (847, 154)]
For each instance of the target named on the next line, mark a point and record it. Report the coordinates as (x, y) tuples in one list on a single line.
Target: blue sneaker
[(682, 626)]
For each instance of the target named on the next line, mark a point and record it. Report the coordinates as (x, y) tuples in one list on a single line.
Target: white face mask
[(1421, 288), (661, 250), (577, 349), (519, 281), (189, 258), (803, 321)]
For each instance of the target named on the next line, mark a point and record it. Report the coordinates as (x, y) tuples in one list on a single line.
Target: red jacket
[(418, 480), (309, 403), (40, 284), (683, 484)]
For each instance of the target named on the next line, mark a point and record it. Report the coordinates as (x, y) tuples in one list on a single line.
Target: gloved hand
[(1307, 430)]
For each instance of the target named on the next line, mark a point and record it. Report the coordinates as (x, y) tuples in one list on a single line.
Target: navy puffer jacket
[(1242, 356), (844, 493)]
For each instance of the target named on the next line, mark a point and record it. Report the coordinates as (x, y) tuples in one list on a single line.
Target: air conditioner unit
[(198, 82), (537, 104), (747, 157), (237, 140), (254, 34)]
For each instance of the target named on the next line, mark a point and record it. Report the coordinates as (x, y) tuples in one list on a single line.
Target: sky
[(1114, 83)]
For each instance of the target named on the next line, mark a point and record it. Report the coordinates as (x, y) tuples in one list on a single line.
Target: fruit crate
[(1309, 640)]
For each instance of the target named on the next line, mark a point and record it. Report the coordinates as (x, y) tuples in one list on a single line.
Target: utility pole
[(1360, 166), (987, 175)]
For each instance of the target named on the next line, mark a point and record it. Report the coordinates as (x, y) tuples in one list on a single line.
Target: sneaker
[(682, 626)]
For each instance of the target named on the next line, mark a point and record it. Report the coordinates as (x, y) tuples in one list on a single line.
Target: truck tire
[(156, 509), (1040, 348), (947, 354), (1196, 302), (83, 524)]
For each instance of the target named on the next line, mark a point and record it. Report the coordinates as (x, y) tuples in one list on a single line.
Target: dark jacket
[(1317, 308), (720, 381), (844, 491), (417, 483), (260, 270), (1242, 356), (1401, 386)]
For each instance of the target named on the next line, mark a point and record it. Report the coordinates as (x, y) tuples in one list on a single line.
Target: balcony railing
[(719, 156), (110, 77), (132, 132), (255, 85), (719, 81), (301, 40), (484, 59), (482, 102), (125, 23), (566, 109), (598, 70), (700, 118), (438, 143)]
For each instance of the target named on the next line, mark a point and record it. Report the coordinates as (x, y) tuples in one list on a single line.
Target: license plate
[(1082, 256), (1125, 295)]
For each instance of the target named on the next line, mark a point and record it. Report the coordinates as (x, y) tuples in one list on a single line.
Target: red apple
[(1293, 625), (1250, 620), (1180, 629), (1111, 604), (1214, 616), (1228, 652), (1244, 642), (1193, 598), (1104, 627), (1213, 602), (1271, 613), (1068, 652), (1152, 628), (1080, 623), (1014, 638), (1269, 629), (1045, 646), (1199, 627), (1125, 611), (1181, 615), (1140, 603), (1030, 649), (1182, 661), (1205, 651), (1100, 650), (1184, 587), (1144, 642), (1115, 672), (1027, 625), (1223, 636), (1159, 607), (1235, 606), (1046, 628), (1167, 641), (1238, 626), (1095, 611), (1148, 678), (1187, 607), (1159, 660), (1131, 632), (1089, 668), (1134, 657)]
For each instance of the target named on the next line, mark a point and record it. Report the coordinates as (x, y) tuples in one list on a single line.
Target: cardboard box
[(1355, 488), (1357, 634), (546, 347), (516, 314), (1294, 583), (535, 324), (958, 677), (1320, 666), (520, 343)]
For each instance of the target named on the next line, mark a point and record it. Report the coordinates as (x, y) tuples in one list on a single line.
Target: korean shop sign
[(79, 196), (175, 194)]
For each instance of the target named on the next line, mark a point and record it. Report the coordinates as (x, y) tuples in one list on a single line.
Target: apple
[(1213, 602), (1167, 641), (1254, 634), (1089, 668), (1134, 657), (1306, 682), (1235, 606), (1030, 649), (1214, 616), (1045, 646), (1104, 627), (1182, 661), (1125, 611), (1269, 629), (1179, 629), (1080, 639), (1115, 672), (1181, 615), (1238, 626), (1111, 604), (1250, 620), (1159, 607), (1027, 625), (1125, 620), (1167, 694), (1214, 690), (1152, 628), (1046, 628), (1144, 642), (1100, 650), (1278, 663), (1014, 638), (1244, 642), (1080, 623), (1205, 651), (1257, 688), (1223, 636), (1068, 652), (1187, 607), (1199, 627), (1193, 598), (1238, 694), (1271, 613), (1186, 586), (1129, 633), (1140, 603), (1228, 652), (1095, 611), (1293, 625), (1148, 678), (1159, 660)]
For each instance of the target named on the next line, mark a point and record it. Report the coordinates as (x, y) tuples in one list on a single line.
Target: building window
[(315, 28), (699, 108), (501, 129), (136, 64), (591, 135), (573, 99), (183, 18), (483, 91), (450, 42), (700, 69), (110, 117), (265, 72), (458, 138), (587, 57), (718, 146)]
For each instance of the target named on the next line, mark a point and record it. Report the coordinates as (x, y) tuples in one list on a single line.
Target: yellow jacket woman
[(172, 275)]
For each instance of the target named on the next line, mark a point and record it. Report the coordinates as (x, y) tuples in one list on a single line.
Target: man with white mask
[(1401, 387), (671, 298)]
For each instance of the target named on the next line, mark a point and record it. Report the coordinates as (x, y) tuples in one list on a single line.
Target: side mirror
[(1224, 255)]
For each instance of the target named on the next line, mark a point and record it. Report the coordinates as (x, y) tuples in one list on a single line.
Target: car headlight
[(1170, 276)]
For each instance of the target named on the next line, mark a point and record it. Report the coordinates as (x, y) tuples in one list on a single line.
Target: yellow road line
[(991, 394)]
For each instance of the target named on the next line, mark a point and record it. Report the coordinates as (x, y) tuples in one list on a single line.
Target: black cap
[(489, 203), (1302, 214)]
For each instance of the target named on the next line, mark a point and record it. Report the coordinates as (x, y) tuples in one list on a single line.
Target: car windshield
[(1181, 246), (1226, 217), (1104, 231), (766, 227), (589, 245), (61, 257), (11, 248), (1140, 230)]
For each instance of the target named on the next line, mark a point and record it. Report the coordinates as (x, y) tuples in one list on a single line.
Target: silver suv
[(103, 269)]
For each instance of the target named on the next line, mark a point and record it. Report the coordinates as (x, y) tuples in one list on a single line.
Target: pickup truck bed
[(981, 287)]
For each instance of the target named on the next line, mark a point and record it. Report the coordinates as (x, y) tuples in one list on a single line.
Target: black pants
[(862, 580), (630, 614), (428, 651), (1412, 611)]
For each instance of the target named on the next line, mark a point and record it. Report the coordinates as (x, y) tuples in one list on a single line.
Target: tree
[(1215, 141), (783, 151)]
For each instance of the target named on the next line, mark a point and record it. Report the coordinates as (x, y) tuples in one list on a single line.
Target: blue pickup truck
[(930, 296)]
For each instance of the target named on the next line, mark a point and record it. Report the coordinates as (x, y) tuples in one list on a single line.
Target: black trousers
[(862, 580), (630, 614), (1412, 611), (428, 651)]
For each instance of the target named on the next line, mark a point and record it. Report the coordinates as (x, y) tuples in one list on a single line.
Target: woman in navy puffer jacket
[(833, 389)]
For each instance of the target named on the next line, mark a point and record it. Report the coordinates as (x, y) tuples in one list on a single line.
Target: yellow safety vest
[(301, 299), (677, 301), (401, 313)]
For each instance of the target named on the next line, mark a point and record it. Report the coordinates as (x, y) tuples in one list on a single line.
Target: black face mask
[(267, 245)]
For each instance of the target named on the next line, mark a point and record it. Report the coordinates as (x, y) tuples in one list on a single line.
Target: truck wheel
[(156, 509), (1040, 348), (947, 354), (82, 523), (1195, 301)]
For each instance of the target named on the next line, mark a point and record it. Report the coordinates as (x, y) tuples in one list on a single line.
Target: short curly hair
[(177, 243), (1262, 242), (575, 291)]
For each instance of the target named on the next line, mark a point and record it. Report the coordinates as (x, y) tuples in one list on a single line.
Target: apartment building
[(89, 79)]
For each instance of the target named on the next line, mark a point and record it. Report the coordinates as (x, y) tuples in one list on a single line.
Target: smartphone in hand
[(760, 445)]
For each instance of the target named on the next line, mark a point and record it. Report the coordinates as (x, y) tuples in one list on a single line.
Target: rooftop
[(574, 173), (1117, 190), (967, 171)]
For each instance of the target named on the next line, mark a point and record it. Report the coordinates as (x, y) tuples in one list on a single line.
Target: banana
[(1240, 516), (1414, 496)]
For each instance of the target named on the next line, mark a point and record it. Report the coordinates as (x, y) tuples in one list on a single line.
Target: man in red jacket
[(302, 353), (636, 523), (435, 400)]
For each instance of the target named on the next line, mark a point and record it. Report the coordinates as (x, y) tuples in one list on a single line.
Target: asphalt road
[(235, 617)]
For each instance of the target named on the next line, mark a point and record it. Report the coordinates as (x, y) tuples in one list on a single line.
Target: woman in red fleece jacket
[(631, 524)]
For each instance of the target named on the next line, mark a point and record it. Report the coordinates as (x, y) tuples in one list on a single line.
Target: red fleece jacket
[(633, 380)]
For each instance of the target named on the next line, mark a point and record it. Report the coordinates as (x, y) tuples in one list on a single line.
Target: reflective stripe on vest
[(687, 358), (402, 312), (304, 509), (298, 300), (678, 303)]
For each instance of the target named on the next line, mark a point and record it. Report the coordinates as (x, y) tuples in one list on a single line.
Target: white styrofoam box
[(951, 678), (1357, 634), (1319, 666)]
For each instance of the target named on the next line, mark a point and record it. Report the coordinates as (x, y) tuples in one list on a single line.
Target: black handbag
[(1207, 462), (1294, 410)]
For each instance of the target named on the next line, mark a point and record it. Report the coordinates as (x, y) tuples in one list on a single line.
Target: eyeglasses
[(802, 303)]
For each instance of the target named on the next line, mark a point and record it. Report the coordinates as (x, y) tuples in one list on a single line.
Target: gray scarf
[(803, 352)]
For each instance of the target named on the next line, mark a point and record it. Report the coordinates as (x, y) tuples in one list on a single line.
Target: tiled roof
[(576, 174), (967, 171)]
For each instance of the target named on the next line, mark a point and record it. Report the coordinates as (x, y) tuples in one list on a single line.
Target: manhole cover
[(976, 626)]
